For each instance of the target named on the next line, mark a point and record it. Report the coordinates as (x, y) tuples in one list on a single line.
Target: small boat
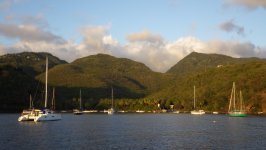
[(176, 112), (164, 111), (90, 111), (196, 112), (78, 111), (260, 113), (121, 111), (140, 111), (110, 111), (215, 112), (236, 104)]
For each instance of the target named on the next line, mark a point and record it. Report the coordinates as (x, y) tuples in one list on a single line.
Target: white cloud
[(96, 39), (27, 32), (250, 4), (145, 36), (236, 48), (146, 47), (65, 51)]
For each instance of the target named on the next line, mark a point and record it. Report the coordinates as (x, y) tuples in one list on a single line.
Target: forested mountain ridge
[(135, 85), (200, 62)]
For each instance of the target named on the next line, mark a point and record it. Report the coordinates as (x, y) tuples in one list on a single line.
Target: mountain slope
[(199, 62), (134, 84), (213, 87), (30, 62), (17, 78), (97, 73)]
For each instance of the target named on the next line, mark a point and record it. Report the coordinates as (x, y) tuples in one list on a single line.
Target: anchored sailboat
[(46, 114), (79, 111), (195, 111), (38, 114), (236, 104), (111, 110)]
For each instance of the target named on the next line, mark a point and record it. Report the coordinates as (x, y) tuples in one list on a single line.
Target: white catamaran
[(236, 104), (38, 114), (195, 111)]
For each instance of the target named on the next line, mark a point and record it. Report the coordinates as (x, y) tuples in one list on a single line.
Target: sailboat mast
[(231, 98), (241, 103), (46, 80), (80, 99), (53, 99), (194, 97), (112, 97), (234, 95), (30, 101)]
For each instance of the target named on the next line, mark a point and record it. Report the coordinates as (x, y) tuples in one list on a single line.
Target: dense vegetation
[(213, 87), (135, 86), (96, 74), (17, 78)]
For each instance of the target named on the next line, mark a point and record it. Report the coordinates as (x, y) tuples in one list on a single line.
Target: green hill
[(30, 62), (135, 85), (199, 62), (97, 73), (213, 87), (17, 78)]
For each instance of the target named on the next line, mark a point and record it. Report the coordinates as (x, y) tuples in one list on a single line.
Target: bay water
[(134, 132)]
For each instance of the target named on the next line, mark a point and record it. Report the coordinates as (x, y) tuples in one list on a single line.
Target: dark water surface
[(134, 131)]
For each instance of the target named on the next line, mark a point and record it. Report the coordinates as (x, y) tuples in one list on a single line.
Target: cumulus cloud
[(162, 55), (236, 48), (250, 4), (230, 26), (146, 47), (28, 33), (96, 39), (144, 36)]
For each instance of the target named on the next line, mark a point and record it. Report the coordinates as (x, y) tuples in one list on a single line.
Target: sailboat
[(111, 110), (79, 111), (196, 112), (46, 114), (236, 106)]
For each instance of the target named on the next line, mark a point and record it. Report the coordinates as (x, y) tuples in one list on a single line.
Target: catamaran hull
[(26, 118), (78, 113), (48, 117)]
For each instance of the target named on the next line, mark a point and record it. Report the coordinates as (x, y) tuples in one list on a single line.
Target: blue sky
[(156, 32)]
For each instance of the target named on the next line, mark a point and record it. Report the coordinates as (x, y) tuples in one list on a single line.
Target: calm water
[(134, 131)]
